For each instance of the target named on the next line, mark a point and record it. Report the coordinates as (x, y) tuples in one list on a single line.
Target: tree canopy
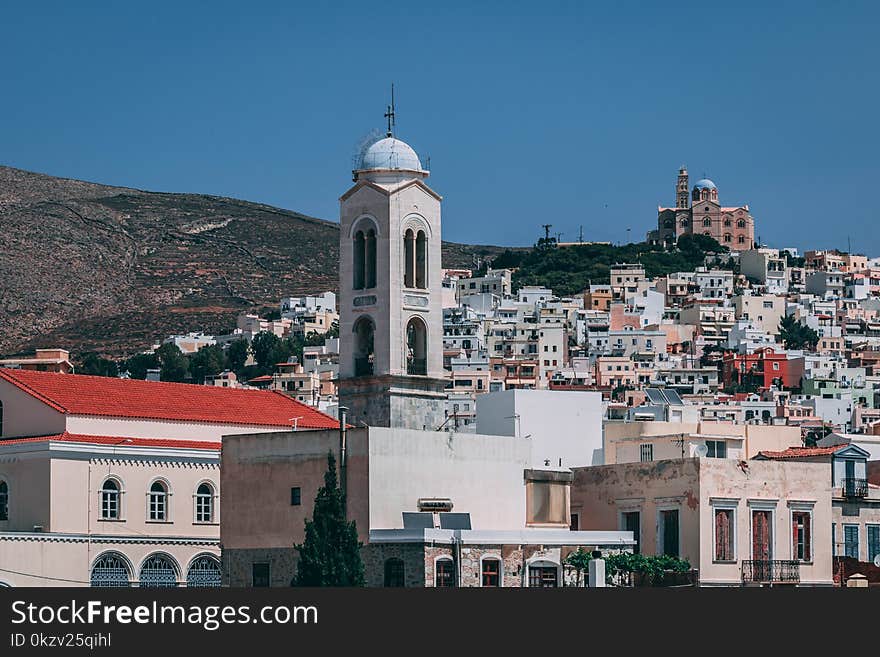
[(330, 552)]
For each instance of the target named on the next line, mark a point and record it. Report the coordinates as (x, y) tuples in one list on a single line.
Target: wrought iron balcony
[(417, 366), (853, 487), (363, 366), (771, 572)]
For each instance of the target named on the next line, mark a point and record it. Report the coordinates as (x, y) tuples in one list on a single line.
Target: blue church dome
[(390, 153), (704, 183)]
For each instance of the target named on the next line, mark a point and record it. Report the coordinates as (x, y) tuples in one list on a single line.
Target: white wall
[(24, 415), (482, 475), (558, 424)]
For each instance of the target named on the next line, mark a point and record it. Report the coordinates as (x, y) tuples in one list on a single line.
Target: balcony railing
[(417, 366), (363, 367), (771, 572), (853, 487)]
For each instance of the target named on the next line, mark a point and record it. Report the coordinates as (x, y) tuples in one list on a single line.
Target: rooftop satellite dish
[(701, 450), (877, 560)]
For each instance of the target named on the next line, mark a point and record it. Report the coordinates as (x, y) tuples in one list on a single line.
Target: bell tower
[(681, 189), (390, 284)]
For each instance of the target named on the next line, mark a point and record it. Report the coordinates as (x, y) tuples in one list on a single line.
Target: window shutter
[(808, 521)]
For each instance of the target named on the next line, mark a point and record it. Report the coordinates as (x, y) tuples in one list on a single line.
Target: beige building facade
[(736, 522)]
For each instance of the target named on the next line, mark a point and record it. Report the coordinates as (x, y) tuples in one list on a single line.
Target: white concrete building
[(563, 428)]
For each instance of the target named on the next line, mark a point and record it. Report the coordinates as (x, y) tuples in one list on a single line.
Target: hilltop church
[(702, 214)]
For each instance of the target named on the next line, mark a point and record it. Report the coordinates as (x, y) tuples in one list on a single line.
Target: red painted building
[(764, 367)]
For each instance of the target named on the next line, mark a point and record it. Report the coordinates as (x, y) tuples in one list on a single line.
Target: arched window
[(4, 500), (409, 258), (204, 571), (158, 571), (110, 569), (422, 260), (707, 221), (364, 328), (444, 573), (370, 259), (728, 237), (416, 347), (111, 500), (491, 572), (205, 503), (684, 223), (741, 239), (158, 501), (741, 223), (727, 221), (358, 259), (394, 573)]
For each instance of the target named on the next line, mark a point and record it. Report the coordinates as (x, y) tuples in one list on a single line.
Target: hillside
[(88, 267)]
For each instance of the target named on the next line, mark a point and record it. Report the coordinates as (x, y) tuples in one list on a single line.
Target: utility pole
[(581, 235)]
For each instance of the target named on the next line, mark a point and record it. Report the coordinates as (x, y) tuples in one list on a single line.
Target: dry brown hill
[(87, 267)]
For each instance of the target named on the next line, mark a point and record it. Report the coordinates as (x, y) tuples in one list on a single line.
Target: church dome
[(390, 153), (704, 183)]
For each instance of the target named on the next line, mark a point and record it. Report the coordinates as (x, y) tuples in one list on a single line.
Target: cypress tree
[(330, 553)]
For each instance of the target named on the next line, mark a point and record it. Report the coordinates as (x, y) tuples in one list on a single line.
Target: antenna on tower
[(390, 114), (547, 228)]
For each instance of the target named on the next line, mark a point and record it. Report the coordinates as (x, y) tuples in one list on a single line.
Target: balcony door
[(762, 539)]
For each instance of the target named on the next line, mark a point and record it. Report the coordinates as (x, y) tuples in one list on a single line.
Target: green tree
[(207, 361), (330, 553), (137, 365), (172, 363), (795, 335), (580, 561), (236, 355), (96, 365), (265, 347)]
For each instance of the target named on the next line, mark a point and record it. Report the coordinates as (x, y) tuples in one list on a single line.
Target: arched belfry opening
[(409, 262), (421, 260), (416, 347), (364, 333), (364, 259)]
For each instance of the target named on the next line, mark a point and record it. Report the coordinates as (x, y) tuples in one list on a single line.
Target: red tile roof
[(114, 440), (802, 452), (78, 394)]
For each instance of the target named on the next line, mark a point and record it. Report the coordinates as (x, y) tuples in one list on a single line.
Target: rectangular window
[(724, 528), (646, 452), (801, 536), (632, 522), (261, 574), (575, 522), (717, 449), (295, 496), (851, 541), (873, 542), (491, 572), (669, 529)]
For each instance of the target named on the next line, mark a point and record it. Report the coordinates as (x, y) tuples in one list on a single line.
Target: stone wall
[(237, 566), (412, 554)]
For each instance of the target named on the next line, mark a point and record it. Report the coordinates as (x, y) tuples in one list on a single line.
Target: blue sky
[(569, 113)]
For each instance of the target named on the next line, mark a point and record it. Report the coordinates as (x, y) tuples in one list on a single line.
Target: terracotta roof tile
[(78, 394), (802, 452), (114, 440)]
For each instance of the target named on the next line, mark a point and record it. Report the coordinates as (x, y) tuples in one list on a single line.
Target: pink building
[(703, 214)]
